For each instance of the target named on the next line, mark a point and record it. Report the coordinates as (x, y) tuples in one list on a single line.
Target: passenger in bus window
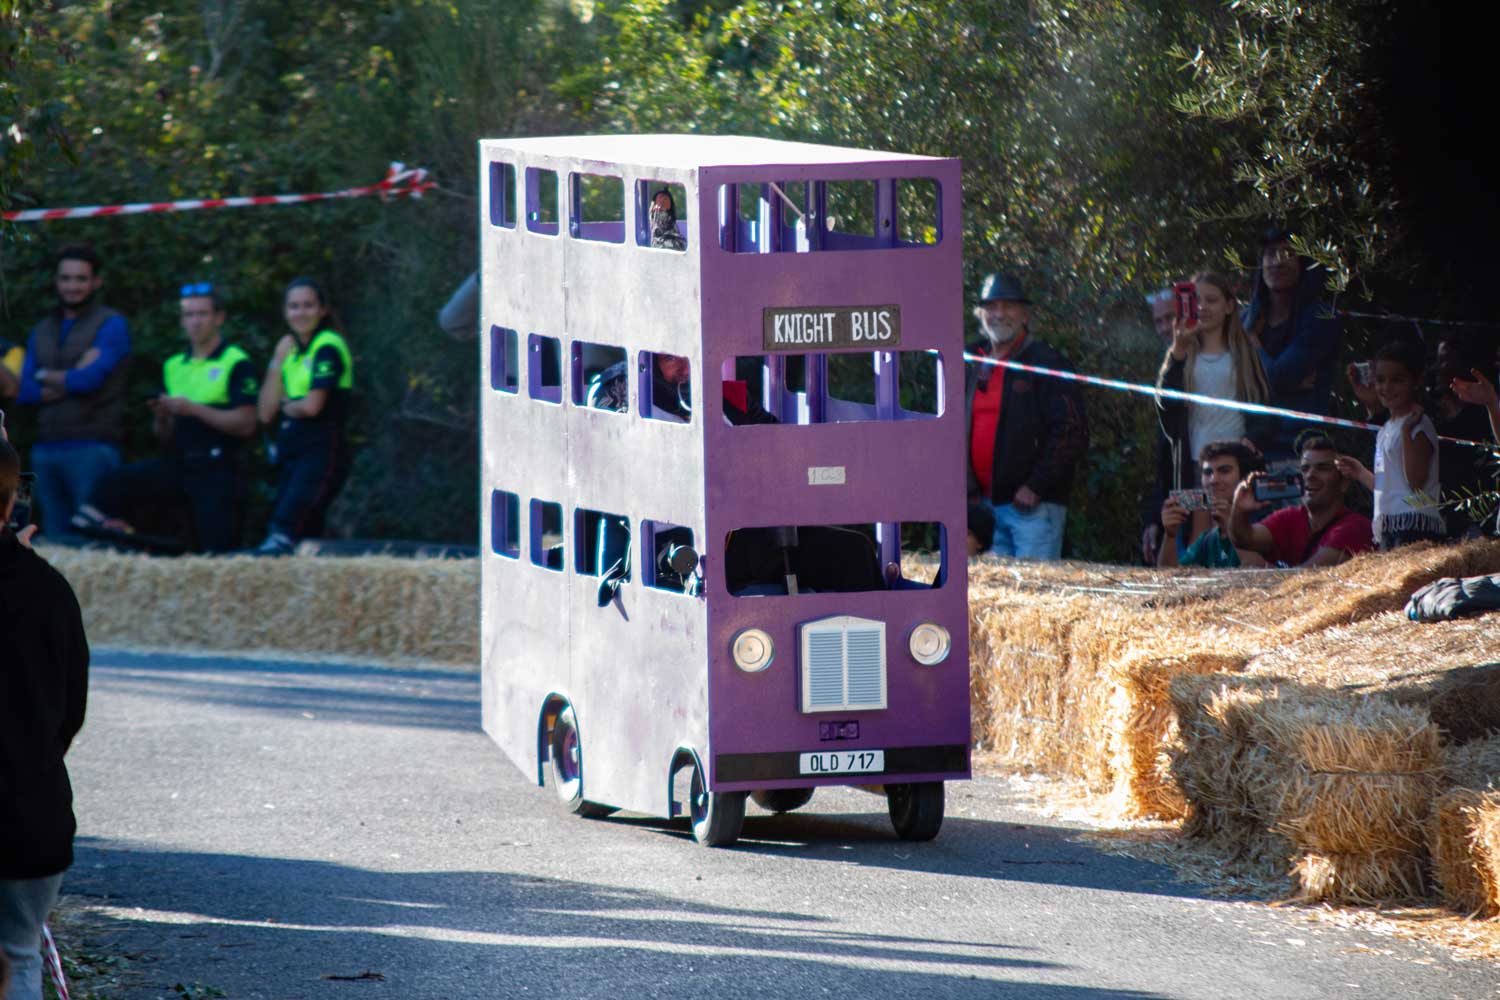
[(664, 234)]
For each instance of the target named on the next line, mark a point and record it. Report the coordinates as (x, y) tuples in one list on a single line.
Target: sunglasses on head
[(197, 288)]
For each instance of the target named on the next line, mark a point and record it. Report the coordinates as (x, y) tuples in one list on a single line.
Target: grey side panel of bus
[(635, 670)]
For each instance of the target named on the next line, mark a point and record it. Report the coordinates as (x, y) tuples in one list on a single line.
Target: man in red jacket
[(43, 686)]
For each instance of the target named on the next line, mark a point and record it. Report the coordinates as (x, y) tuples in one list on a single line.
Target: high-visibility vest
[(203, 380), (297, 371)]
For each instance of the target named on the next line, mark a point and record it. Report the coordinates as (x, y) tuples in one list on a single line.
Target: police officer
[(203, 415), (307, 391)]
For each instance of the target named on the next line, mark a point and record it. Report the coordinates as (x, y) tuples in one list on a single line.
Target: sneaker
[(88, 518), (276, 544)]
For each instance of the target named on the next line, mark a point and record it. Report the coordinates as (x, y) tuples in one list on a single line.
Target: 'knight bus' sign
[(831, 326)]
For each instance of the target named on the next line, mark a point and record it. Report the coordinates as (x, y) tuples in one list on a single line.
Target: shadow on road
[(431, 699), (279, 927)]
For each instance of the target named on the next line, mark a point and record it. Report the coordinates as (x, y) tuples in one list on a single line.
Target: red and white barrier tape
[(399, 180), (1192, 397), (54, 963)]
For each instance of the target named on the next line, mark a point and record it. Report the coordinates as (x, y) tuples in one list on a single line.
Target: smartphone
[(1191, 500), (1279, 488), (1365, 371), (1185, 293), (20, 514)]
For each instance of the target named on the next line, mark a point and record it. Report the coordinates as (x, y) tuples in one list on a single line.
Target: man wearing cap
[(205, 411), (1027, 432)]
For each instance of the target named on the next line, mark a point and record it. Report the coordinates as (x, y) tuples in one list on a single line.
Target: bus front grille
[(842, 664)]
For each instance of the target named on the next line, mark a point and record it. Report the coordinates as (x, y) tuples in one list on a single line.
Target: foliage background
[(1108, 147)]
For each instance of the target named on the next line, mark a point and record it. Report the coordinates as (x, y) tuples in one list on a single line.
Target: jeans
[(1034, 534), (66, 474), (24, 905)]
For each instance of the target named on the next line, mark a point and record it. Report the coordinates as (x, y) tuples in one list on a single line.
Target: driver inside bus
[(671, 392)]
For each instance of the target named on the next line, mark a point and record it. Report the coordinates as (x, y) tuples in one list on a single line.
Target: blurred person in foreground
[(43, 691), (1222, 466), (202, 416), (1027, 432), (1319, 531)]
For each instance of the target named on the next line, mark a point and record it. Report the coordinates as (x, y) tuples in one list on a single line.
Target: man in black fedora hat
[(1027, 432)]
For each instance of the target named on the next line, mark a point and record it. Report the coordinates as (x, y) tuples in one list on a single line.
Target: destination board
[(823, 327)]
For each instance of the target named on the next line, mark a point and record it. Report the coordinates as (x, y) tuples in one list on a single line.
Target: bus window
[(838, 387), (836, 558), (541, 201), (505, 524), (503, 195), (665, 387), (597, 208), (600, 377), (504, 365), (658, 218), (803, 216), (601, 547), (546, 535), (544, 368), (919, 213), (668, 560)]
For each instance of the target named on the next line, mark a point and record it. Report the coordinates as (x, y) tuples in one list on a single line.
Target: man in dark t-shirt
[(203, 414)]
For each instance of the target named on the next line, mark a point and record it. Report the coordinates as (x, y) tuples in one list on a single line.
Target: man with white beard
[(1027, 432)]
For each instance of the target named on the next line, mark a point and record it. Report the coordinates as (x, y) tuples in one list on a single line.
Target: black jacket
[(44, 674), (1042, 434)]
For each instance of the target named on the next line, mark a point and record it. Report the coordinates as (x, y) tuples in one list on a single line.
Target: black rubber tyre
[(717, 817), (916, 809), (567, 767), (782, 800)]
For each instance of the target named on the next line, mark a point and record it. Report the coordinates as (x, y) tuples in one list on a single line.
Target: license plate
[(841, 762)]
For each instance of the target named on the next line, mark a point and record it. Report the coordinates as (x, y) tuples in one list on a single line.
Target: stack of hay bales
[(1464, 834), (371, 606), (1328, 753)]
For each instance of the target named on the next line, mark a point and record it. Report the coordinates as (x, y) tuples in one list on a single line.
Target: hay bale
[(372, 606), (1363, 878), (1464, 837)]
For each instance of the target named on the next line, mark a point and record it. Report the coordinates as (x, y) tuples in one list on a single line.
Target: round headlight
[(752, 649), (929, 643)]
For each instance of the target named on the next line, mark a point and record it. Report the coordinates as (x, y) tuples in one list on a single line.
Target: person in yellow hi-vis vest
[(203, 414), (306, 392)]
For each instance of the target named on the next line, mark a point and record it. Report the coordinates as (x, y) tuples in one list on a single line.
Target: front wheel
[(916, 809), (567, 766), (717, 817)]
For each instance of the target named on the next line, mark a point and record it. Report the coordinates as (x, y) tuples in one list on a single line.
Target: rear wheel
[(916, 809), (567, 766), (717, 817), (782, 800)]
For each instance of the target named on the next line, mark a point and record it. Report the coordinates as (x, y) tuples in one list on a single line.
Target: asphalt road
[(265, 828)]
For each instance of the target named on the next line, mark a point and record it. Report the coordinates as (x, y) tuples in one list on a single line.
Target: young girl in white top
[(1405, 479)]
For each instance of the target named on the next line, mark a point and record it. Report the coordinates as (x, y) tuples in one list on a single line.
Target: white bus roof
[(693, 151)]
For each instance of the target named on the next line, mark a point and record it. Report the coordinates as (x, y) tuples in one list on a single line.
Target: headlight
[(752, 649), (929, 643)]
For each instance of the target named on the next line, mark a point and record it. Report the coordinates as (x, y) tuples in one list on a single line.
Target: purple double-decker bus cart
[(723, 474)]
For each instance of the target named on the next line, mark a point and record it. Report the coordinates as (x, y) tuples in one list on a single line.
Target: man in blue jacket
[(1299, 334), (43, 689), (1027, 432)]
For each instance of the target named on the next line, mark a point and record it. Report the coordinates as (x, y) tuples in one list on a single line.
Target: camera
[(1191, 500), (1185, 293), (1279, 488), (1365, 371), (20, 514)]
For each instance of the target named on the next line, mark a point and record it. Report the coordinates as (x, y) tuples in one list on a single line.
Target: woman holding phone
[(306, 393), (1210, 355)]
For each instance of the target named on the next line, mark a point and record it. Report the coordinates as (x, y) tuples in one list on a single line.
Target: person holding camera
[(1405, 478), (44, 679), (1222, 465), (203, 414), (1210, 355), (1319, 531)]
